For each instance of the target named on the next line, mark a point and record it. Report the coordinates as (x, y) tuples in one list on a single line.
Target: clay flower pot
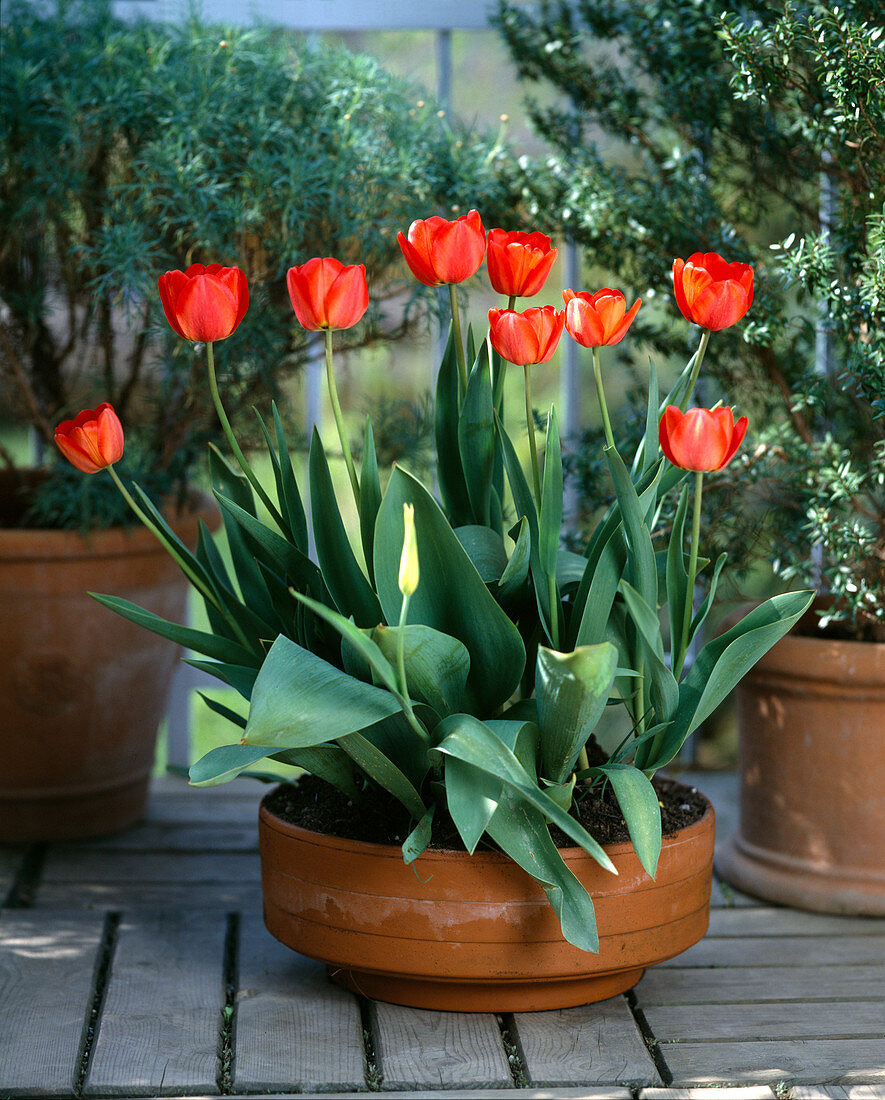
[(812, 772), (82, 690), (475, 933)]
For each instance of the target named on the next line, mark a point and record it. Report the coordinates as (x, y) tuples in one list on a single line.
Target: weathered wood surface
[(158, 933), (796, 1060), (593, 1044), (47, 967), (438, 1049), (162, 1013), (292, 1023)]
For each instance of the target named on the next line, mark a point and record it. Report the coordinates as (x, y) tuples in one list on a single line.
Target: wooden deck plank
[(593, 1044), (737, 984), (87, 879), (801, 1061), (771, 921), (160, 1023), (839, 950), (294, 1028), (173, 836), (47, 969), (419, 1048), (742, 1092), (838, 1092), (775, 1020)]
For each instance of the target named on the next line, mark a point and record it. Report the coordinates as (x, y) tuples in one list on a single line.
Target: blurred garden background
[(635, 131)]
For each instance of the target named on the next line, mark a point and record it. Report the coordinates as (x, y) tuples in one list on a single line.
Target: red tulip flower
[(711, 292), (93, 440), (519, 263), (204, 304), (598, 319), (527, 337), (326, 294), (701, 439), (439, 251)]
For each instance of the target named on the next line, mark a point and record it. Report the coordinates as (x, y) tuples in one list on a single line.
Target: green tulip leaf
[(525, 508), (416, 842), (282, 557), (437, 665), (520, 830), (451, 596), (376, 764), (472, 741), (224, 763), (644, 575), (598, 596), (239, 677), (664, 689), (450, 472), (288, 492), (722, 663), (516, 573), (211, 645), (485, 548), (677, 577), (233, 716), (300, 700), (641, 809), (359, 640), (571, 691), (370, 497), (476, 439), (570, 569), (352, 593), (472, 797), (550, 516)]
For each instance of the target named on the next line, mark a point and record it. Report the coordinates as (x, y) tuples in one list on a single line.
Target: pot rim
[(28, 543), (394, 851)]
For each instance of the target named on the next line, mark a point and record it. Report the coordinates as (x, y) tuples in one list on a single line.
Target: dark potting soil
[(313, 804)]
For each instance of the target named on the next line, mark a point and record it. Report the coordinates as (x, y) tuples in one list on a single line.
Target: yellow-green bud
[(408, 562)]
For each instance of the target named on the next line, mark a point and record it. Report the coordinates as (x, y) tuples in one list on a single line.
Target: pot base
[(486, 995), (790, 880), (48, 815)]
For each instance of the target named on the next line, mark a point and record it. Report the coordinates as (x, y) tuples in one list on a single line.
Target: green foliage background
[(127, 150), (683, 128)]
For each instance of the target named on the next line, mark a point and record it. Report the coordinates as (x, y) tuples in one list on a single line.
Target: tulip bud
[(409, 572), (92, 441), (204, 304)]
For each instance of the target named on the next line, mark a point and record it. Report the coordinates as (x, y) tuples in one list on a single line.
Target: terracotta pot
[(476, 933), (82, 690), (812, 772)]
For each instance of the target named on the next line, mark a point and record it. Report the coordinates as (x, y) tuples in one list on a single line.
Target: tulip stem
[(405, 701), (459, 346), (692, 571), (696, 368), (603, 407), (530, 425), (339, 419), (232, 440)]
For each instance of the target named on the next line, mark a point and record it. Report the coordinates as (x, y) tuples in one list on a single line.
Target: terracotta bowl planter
[(812, 772), (82, 690), (475, 933)]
